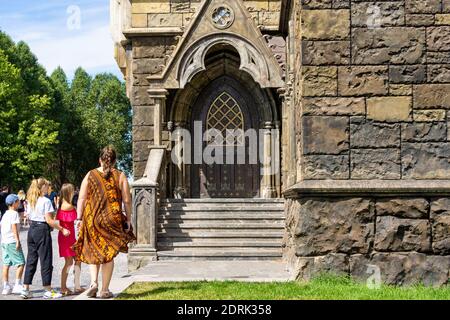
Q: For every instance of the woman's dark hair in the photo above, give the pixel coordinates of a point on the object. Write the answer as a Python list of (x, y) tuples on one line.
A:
[(108, 156)]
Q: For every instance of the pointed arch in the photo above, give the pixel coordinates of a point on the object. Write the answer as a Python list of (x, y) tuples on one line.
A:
[(252, 60)]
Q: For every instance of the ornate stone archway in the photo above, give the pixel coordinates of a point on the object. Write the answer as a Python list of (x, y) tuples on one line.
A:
[(266, 114), (251, 59)]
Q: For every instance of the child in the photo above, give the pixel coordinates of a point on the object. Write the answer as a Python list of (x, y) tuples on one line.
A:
[(66, 216), (41, 217), (22, 207), (11, 248)]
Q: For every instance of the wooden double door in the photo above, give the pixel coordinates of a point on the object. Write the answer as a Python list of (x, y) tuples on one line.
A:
[(226, 112)]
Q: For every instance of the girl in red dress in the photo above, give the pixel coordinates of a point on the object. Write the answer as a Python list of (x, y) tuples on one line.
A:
[(66, 216)]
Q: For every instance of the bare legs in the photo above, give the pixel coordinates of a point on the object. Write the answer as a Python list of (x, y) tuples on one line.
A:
[(107, 270), (5, 274), (65, 273), (19, 273), (77, 275), (94, 269)]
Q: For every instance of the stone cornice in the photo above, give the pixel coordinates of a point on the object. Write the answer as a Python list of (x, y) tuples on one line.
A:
[(143, 32), (168, 31), (368, 187)]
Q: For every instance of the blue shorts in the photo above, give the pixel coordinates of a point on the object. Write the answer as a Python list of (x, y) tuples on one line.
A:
[(11, 256)]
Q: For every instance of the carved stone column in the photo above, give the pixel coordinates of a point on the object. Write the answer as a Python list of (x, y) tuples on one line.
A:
[(276, 165), (145, 210), (268, 190), (159, 108), (180, 167), (145, 222)]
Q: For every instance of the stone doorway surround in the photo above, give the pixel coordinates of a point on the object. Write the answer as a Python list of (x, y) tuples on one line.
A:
[(159, 64)]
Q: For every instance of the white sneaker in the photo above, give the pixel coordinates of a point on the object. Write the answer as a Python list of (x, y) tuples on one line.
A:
[(52, 295), (26, 294), (17, 289), (7, 289)]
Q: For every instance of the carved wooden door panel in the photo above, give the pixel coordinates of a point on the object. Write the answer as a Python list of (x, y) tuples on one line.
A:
[(225, 117)]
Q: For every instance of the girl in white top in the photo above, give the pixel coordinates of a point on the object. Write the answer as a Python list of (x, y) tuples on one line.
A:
[(41, 217)]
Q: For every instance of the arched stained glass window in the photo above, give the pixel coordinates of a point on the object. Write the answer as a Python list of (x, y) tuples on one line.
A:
[(225, 116)]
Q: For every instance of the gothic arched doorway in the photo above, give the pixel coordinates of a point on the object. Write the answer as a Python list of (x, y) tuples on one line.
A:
[(219, 98), (226, 113)]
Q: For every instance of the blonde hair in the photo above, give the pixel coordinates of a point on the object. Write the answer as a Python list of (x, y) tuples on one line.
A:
[(66, 193), (35, 191), (21, 194)]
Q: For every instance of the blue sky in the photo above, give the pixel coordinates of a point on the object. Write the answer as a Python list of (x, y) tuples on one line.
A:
[(66, 33)]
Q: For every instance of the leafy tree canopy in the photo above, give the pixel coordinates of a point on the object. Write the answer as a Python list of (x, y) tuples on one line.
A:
[(54, 128)]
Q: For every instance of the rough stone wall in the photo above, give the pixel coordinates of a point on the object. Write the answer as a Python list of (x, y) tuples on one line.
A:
[(407, 238), (149, 56), (179, 13), (376, 89), (372, 94)]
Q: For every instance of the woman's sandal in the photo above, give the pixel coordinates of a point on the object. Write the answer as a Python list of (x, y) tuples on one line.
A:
[(66, 292), (92, 291), (106, 295), (80, 290)]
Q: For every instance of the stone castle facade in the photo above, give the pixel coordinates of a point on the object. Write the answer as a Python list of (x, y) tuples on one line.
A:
[(358, 94)]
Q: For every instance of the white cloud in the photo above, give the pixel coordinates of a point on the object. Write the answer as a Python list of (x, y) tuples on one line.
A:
[(33, 36), (44, 28), (91, 49)]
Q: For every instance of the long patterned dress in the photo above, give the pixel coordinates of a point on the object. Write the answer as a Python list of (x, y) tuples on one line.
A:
[(102, 235)]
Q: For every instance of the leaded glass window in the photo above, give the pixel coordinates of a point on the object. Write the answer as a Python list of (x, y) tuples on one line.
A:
[(225, 116)]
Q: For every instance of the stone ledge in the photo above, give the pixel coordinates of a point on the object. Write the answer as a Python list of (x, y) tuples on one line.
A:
[(369, 187), (160, 31), (142, 32)]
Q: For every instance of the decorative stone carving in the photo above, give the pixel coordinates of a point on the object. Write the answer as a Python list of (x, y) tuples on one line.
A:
[(278, 46), (222, 17), (252, 60)]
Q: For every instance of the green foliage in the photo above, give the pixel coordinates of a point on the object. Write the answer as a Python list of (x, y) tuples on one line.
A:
[(54, 128), (28, 136)]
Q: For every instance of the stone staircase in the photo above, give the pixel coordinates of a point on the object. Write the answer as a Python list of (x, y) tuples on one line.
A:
[(220, 229)]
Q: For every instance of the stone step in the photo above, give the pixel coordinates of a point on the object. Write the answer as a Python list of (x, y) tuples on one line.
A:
[(224, 200), (220, 215), (222, 224), (224, 253), (219, 258), (221, 233), (221, 208), (221, 229), (169, 243)]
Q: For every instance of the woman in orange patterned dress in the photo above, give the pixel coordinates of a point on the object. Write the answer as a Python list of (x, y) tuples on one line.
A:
[(104, 230)]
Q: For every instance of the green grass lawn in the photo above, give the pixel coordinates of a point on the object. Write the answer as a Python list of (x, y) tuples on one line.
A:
[(321, 288)]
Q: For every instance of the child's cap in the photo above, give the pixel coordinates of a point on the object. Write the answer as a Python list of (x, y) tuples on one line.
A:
[(11, 199)]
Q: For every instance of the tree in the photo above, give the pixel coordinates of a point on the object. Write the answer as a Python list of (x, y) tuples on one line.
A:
[(112, 110), (28, 134), (54, 128)]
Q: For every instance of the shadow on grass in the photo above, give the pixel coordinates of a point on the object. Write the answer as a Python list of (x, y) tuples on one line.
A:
[(159, 290), (326, 286)]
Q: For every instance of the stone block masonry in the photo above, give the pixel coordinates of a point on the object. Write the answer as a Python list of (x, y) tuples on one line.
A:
[(368, 65), (374, 108), (407, 238), (179, 13)]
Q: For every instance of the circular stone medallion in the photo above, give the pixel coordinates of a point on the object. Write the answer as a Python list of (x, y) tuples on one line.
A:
[(222, 17)]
